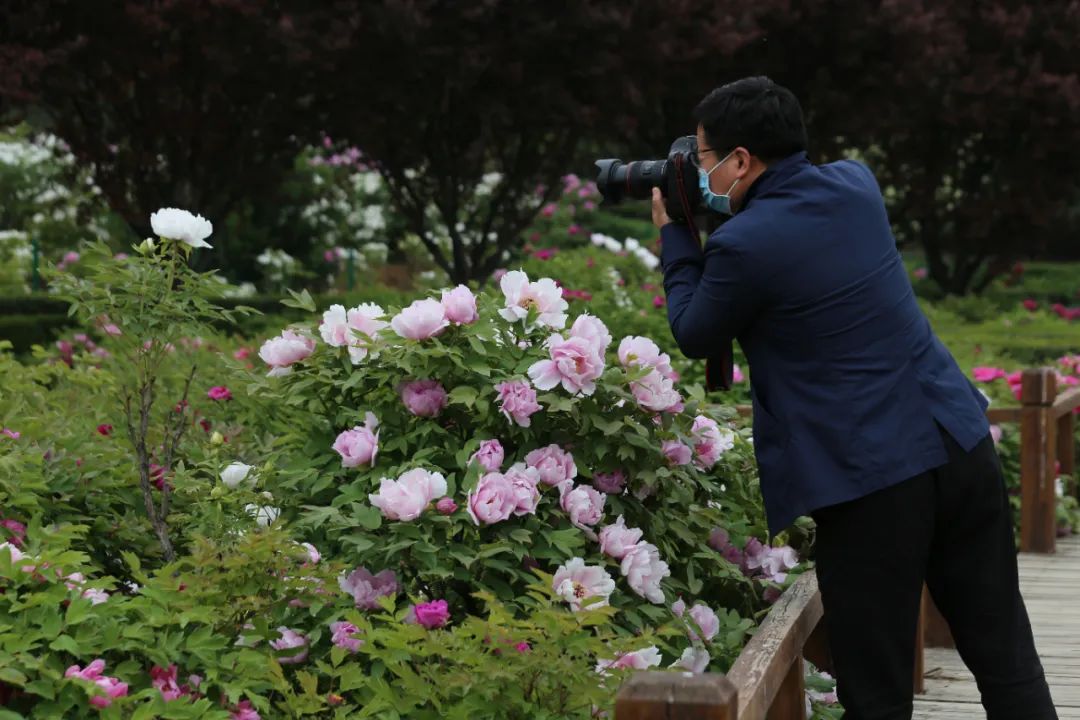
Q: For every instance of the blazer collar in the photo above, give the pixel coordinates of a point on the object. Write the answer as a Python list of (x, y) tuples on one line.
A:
[(775, 174)]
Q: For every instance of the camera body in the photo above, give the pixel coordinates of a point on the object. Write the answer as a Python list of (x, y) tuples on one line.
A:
[(677, 178)]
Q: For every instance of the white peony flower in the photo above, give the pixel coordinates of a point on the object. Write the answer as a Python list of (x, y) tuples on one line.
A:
[(176, 224), (235, 474), (264, 514)]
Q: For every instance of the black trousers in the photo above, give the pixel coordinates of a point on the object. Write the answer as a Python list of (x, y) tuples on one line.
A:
[(951, 527)]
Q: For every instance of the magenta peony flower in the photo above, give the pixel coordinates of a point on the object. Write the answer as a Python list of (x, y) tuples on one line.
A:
[(573, 363), (244, 711), (644, 570), (431, 615), (422, 320), (584, 504), (424, 398), (1030, 305), (446, 506), (987, 374), (524, 481), (493, 500), (407, 497), (490, 455), (13, 434), (289, 640), (617, 540), (575, 582), (164, 680), (219, 392), (366, 589), (93, 673), (360, 445), (737, 374), (554, 464), (517, 401), (105, 429), (612, 483), (459, 305), (282, 352), (676, 452), (343, 635)]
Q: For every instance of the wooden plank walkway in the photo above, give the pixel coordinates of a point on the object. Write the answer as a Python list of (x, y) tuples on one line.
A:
[(1050, 585)]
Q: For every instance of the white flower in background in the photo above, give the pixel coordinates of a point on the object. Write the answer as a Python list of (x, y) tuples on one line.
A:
[(235, 474), (264, 515), (175, 224)]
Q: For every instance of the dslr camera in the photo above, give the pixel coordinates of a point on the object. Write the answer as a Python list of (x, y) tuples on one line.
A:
[(677, 178)]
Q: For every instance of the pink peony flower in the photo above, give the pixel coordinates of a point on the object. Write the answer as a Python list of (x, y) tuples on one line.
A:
[(617, 540), (549, 209), (96, 596), (995, 433), (987, 374), (242, 354), (424, 398), (524, 481), (1030, 305), (636, 351), (544, 295), (422, 320), (490, 455), (493, 500), (737, 374), (430, 615), (584, 504), (219, 392), (576, 582), (517, 401), (17, 530), (407, 497), (244, 711), (657, 393), (460, 305), (920, 273), (612, 483), (644, 570), (702, 615), (573, 363), (676, 452), (637, 660), (8, 432), (366, 589), (772, 562), (446, 506), (312, 553), (282, 352), (554, 464), (710, 441), (105, 429), (593, 330), (93, 673), (164, 680), (289, 640), (343, 635), (693, 659), (360, 445)]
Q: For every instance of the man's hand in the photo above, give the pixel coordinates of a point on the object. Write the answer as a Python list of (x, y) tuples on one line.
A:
[(659, 212)]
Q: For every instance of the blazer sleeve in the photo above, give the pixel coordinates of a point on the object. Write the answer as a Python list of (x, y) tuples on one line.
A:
[(710, 298)]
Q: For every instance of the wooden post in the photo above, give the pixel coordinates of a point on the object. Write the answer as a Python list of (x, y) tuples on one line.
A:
[(668, 695), (1038, 449), (936, 632), (790, 700), (1066, 450)]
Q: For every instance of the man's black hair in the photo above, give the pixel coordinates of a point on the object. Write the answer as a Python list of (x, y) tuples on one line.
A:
[(754, 113)]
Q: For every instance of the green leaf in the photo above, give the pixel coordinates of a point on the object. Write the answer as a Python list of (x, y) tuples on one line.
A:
[(77, 611), (65, 643), (463, 395), (13, 676), (44, 688), (301, 300), (368, 517)]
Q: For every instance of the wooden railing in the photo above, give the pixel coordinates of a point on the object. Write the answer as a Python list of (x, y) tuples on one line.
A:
[(1046, 421)]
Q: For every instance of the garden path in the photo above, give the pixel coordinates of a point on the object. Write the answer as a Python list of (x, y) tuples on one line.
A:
[(1051, 586)]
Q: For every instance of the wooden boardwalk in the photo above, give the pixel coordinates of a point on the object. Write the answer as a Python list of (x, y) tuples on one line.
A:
[(1051, 586)]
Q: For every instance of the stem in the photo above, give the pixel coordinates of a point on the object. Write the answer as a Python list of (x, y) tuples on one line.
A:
[(172, 439)]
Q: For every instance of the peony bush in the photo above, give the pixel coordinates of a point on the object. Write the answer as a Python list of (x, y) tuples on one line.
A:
[(364, 513)]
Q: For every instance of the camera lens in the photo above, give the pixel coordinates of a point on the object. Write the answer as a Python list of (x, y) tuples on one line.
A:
[(636, 179)]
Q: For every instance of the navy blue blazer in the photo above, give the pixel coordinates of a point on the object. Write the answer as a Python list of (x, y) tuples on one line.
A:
[(846, 375)]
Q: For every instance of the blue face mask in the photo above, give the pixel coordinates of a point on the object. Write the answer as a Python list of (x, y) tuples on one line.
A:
[(717, 203)]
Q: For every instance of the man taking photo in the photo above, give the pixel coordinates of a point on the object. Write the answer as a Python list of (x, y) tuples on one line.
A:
[(862, 418)]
